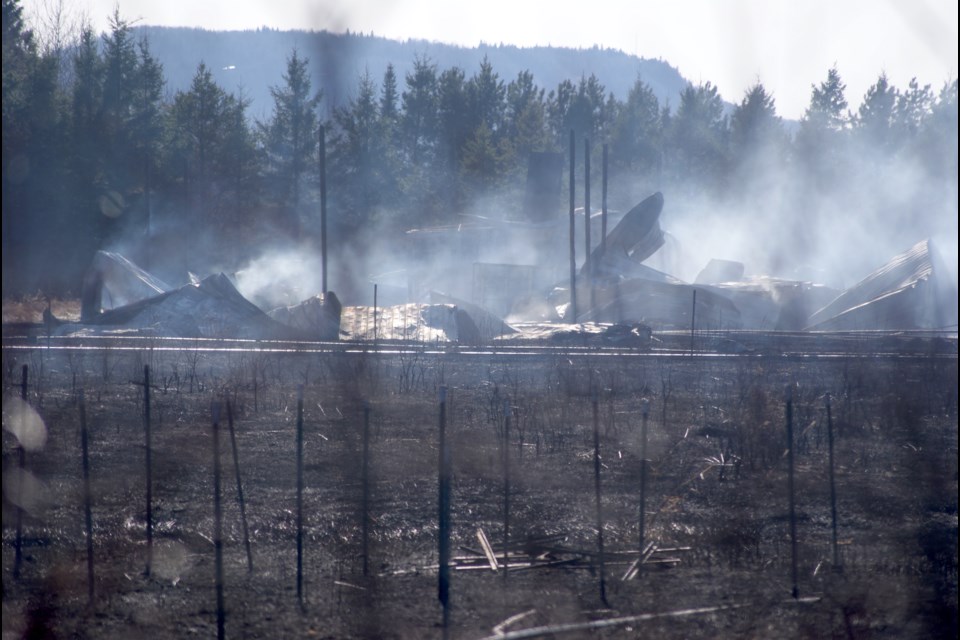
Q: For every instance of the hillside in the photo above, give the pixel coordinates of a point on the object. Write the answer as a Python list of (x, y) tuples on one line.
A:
[(250, 62)]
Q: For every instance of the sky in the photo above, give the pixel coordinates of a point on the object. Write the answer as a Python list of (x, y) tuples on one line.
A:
[(788, 45)]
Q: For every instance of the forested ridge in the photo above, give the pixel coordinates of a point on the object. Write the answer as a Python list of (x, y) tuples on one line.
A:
[(99, 152)]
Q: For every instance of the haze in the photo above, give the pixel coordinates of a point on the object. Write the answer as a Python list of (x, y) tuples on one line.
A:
[(786, 45)]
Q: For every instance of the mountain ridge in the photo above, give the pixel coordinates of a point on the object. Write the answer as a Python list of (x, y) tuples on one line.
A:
[(251, 62)]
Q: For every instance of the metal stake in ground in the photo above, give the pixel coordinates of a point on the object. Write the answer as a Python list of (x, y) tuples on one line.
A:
[(88, 518), (148, 464), (596, 482), (21, 464), (644, 414), (217, 523), (236, 468), (693, 320), (443, 584), (365, 479), (300, 494), (833, 490), (506, 487), (790, 490)]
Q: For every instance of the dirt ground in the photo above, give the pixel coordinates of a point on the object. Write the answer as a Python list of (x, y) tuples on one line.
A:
[(716, 494)]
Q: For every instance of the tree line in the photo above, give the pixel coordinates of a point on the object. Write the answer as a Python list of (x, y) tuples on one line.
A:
[(97, 154)]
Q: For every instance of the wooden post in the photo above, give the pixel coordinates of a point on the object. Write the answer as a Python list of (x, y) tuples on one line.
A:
[(596, 483), (603, 205), (790, 490), (21, 465), (88, 518), (506, 487), (644, 414), (323, 208), (217, 521), (587, 222), (443, 585), (300, 494), (833, 491), (243, 507), (148, 463), (365, 480), (571, 315), (693, 320)]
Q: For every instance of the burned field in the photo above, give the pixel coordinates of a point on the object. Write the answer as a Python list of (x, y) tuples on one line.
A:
[(717, 556)]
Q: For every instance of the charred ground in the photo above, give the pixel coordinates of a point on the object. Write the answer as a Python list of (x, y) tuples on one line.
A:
[(894, 417)]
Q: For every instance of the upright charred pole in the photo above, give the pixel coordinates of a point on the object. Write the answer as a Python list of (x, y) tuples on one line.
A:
[(300, 495), (833, 490), (572, 312), (791, 495), (240, 500), (87, 517), (588, 244), (506, 487), (603, 205), (148, 463), (644, 414), (443, 519), (21, 464), (217, 521), (596, 484), (323, 207), (365, 495)]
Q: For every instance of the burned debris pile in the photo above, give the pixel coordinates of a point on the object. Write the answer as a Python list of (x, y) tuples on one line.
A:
[(614, 299)]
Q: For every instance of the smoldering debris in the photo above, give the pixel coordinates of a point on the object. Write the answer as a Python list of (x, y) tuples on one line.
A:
[(211, 309), (908, 292), (318, 317), (114, 281), (484, 297)]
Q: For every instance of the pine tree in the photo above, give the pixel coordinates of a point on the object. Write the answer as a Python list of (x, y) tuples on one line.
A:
[(291, 136)]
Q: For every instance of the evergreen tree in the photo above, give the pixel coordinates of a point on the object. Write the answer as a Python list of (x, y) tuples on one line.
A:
[(875, 121), (208, 130), (526, 119), (636, 137), (419, 120), (290, 138), (699, 137), (821, 141)]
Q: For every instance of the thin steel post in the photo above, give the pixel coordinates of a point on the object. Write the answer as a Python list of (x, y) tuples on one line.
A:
[(443, 585), (148, 463), (596, 483), (300, 494), (217, 521), (243, 507), (506, 487), (365, 479), (21, 466), (833, 490), (790, 490), (644, 415), (87, 515)]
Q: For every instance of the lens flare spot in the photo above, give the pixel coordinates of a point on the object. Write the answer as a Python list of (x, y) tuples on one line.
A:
[(23, 421), (112, 204), (23, 489)]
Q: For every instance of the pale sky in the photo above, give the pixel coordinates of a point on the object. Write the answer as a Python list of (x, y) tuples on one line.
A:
[(788, 45)]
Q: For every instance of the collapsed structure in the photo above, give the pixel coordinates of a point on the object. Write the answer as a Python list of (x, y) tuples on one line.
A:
[(615, 297)]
